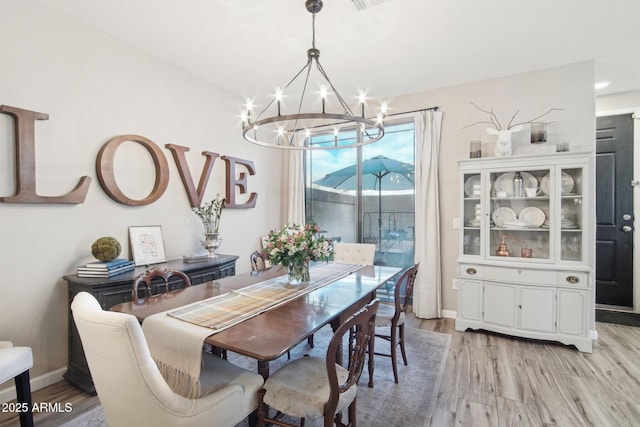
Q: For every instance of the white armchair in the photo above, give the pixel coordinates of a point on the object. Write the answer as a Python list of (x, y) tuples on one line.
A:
[(354, 253), (15, 363), (132, 390)]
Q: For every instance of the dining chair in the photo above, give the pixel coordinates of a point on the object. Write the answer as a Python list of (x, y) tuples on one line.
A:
[(131, 388), (15, 363), (259, 261), (354, 253), (313, 387), (145, 279), (394, 316)]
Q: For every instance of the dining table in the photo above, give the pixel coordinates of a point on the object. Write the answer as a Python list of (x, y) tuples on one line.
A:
[(269, 335)]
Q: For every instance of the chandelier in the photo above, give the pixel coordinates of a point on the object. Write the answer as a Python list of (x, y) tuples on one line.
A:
[(329, 115)]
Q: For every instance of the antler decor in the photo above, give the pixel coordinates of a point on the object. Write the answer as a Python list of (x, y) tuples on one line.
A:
[(493, 118), (503, 144)]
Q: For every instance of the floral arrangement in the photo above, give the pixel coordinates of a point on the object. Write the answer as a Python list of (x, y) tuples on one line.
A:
[(297, 244), (210, 214)]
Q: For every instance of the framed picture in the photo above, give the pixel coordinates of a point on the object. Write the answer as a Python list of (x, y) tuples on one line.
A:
[(147, 245)]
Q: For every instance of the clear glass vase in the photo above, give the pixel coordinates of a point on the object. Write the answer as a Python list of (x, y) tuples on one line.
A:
[(298, 272)]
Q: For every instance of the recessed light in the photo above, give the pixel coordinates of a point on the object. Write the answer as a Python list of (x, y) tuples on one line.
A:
[(601, 85)]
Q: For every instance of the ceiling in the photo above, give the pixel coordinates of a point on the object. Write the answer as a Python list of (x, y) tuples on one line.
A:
[(249, 47)]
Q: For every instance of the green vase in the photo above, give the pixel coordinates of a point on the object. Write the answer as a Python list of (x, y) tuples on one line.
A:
[(298, 272)]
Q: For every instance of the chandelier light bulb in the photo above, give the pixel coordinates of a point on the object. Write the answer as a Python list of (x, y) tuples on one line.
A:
[(323, 92), (362, 97)]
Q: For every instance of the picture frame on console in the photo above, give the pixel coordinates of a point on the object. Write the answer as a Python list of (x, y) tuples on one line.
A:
[(147, 244)]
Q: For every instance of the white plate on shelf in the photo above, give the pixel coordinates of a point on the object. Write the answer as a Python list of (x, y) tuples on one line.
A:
[(503, 214), (505, 182), (518, 223), (469, 183), (532, 214), (566, 184)]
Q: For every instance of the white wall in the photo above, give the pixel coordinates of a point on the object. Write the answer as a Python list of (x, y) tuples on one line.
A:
[(569, 87), (94, 88)]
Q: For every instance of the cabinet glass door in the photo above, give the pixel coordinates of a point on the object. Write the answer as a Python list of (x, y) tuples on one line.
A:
[(472, 215), (519, 215), (571, 248)]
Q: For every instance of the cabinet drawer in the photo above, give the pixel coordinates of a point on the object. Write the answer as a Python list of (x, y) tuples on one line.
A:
[(517, 275), (573, 278)]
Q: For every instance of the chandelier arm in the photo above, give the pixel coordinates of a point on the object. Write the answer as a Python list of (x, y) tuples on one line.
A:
[(307, 65), (335, 91)]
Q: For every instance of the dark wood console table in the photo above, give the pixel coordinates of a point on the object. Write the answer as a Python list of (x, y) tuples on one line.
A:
[(116, 290)]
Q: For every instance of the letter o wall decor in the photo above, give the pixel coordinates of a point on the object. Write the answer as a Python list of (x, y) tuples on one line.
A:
[(106, 175)]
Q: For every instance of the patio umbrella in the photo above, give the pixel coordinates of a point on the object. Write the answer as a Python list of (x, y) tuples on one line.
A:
[(377, 172)]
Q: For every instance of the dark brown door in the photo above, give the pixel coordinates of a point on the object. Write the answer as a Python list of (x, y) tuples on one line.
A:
[(614, 210)]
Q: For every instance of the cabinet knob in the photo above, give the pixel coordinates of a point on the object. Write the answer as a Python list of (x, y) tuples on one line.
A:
[(573, 279), (471, 271)]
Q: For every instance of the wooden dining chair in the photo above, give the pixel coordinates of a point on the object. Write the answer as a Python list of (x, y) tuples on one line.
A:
[(312, 387), (145, 279), (259, 261), (394, 316)]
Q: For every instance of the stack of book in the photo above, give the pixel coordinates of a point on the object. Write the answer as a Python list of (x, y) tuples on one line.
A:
[(106, 269)]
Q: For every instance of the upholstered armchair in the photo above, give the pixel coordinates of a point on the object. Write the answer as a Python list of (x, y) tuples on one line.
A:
[(131, 388), (15, 363)]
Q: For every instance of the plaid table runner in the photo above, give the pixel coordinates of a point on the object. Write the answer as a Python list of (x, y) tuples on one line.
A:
[(226, 310)]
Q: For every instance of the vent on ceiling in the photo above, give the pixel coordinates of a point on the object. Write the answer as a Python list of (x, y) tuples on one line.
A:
[(365, 4)]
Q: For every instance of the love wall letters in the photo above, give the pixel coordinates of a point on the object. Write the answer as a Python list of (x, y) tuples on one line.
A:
[(25, 167)]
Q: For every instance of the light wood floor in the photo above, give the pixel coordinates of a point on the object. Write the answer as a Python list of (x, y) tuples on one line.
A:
[(493, 380)]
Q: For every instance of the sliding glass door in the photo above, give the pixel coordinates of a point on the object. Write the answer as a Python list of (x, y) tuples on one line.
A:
[(366, 194)]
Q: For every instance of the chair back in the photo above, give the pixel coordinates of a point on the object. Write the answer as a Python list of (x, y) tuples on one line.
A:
[(259, 261), (145, 279), (131, 389), (354, 253), (404, 290), (360, 342)]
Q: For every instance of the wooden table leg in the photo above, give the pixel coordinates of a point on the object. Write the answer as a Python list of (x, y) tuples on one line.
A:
[(263, 369)]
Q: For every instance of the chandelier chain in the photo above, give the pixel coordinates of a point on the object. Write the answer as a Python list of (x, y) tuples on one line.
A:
[(313, 31)]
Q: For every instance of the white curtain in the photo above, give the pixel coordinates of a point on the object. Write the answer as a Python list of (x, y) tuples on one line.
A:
[(294, 187), (427, 291)]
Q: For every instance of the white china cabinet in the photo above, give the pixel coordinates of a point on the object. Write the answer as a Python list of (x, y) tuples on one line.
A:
[(526, 264)]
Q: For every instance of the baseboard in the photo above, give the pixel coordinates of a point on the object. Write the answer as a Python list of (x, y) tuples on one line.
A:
[(449, 314), (37, 383)]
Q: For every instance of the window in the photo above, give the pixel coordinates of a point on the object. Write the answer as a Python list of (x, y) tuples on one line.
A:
[(366, 194)]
